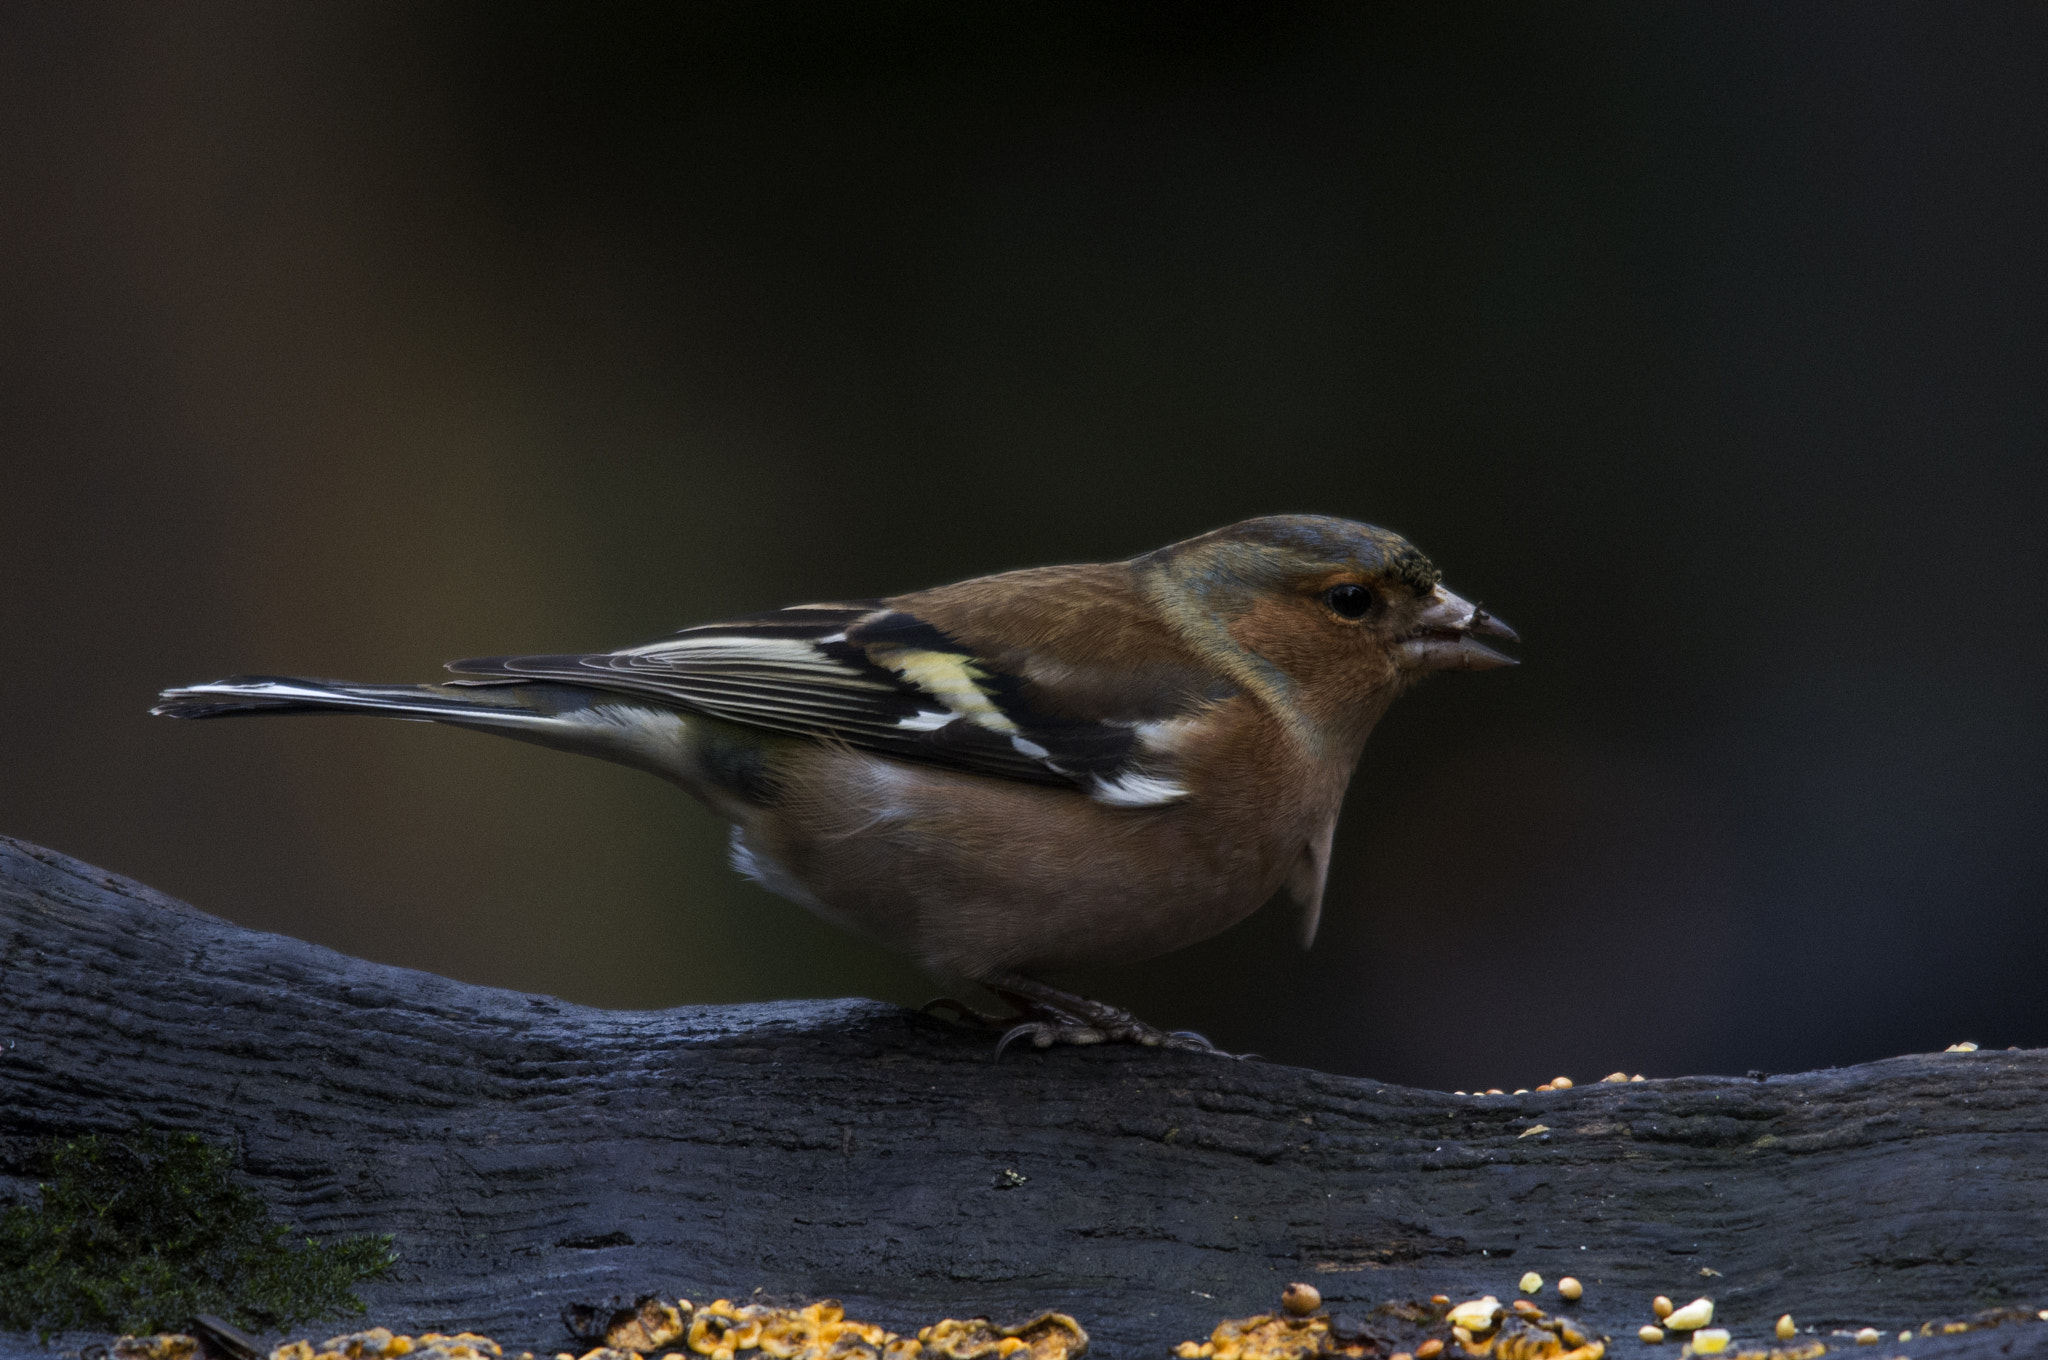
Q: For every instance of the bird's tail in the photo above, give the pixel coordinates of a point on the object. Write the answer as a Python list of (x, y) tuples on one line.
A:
[(241, 694), (616, 727)]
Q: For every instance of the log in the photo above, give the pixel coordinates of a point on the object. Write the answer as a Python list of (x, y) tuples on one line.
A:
[(529, 1154)]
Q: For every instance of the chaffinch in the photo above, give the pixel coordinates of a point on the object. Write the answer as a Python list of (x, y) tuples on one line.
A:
[(1020, 773)]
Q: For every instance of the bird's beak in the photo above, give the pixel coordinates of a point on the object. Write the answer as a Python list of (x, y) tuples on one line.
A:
[(1446, 637)]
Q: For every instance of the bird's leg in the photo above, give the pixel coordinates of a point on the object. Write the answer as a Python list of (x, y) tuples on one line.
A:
[(1053, 1017), (960, 1013)]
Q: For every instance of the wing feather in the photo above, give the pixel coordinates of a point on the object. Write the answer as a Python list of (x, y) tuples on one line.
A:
[(878, 679)]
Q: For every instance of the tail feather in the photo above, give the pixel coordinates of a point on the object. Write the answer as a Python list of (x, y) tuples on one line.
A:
[(288, 694), (629, 730)]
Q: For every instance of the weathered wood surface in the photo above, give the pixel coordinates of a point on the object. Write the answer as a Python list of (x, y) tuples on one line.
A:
[(528, 1153)]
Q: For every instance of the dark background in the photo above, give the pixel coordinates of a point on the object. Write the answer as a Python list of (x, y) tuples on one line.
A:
[(1704, 342)]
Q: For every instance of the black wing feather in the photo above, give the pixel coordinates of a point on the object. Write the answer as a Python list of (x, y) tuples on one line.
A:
[(812, 671)]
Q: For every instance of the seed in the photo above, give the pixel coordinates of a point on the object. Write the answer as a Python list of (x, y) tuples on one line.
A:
[(1786, 1329), (1523, 1091), (1301, 1299), (1400, 1355), (1546, 1086), (1429, 1350), (1495, 1091), (1532, 1281), (1649, 1336), (1476, 1315), (1637, 1077), (1440, 1299), (1698, 1313), (1965, 1047), (1570, 1288), (1561, 1083), (1867, 1337), (1712, 1341), (1464, 1336), (1526, 1309), (1533, 1129), (1614, 1076), (1905, 1336), (1661, 1306)]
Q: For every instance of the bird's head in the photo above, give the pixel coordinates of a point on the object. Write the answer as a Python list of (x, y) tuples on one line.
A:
[(1329, 616)]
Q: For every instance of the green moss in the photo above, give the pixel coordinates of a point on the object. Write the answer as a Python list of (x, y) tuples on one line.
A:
[(137, 1233)]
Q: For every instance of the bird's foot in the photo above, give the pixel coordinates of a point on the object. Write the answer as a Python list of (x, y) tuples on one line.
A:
[(1052, 1016)]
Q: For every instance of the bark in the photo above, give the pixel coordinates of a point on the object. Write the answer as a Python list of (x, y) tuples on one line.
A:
[(530, 1154)]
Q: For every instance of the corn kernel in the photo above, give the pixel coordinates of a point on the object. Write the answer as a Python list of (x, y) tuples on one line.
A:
[(1698, 1313), (1710, 1341), (1532, 1281), (1476, 1315)]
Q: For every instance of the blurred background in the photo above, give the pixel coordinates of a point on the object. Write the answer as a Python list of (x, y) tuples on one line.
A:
[(1706, 344)]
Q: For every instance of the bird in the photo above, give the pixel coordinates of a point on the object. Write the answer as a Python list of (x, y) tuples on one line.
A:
[(1011, 775)]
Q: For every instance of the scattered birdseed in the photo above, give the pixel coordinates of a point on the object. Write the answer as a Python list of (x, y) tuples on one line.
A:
[(1429, 1350), (1570, 1289), (1531, 1130), (1786, 1328), (1710, 1341), (819, 1331), (1965, 1047), (1650, 1336), (1614, 1076), (1301, 1299), (163, 1346), (1869, 1336), (1561, 1083), (1698, 1313), (1637, 1077), (1049, 1336), (1661, 1306), (1267, 1337), (1532, 1281), (380, 1343)]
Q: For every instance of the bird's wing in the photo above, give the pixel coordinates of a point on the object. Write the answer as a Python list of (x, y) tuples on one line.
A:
[(887, 681)]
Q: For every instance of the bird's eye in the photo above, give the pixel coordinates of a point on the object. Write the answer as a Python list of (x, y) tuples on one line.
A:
[(1349, 602)]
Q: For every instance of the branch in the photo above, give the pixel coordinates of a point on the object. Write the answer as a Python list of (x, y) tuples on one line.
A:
[(529, 1154)]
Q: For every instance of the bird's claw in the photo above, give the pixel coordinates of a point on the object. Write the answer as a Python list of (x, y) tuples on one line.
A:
[(1044, 1033)]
